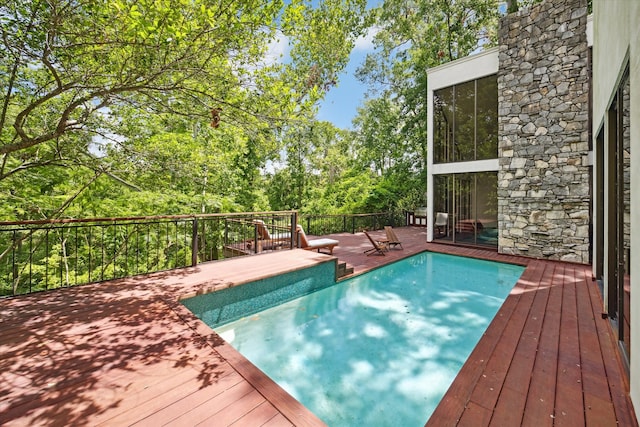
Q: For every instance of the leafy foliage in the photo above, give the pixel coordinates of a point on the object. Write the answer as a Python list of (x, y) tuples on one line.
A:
[(107, 103), (121, 108)]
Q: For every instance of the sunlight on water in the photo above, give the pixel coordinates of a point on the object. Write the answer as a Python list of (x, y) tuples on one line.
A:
[(380, 349)]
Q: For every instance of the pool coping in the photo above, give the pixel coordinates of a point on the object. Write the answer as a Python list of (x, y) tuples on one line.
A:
[(288, 405)]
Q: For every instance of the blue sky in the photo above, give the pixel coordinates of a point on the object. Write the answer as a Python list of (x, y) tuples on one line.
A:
[(340, 104)]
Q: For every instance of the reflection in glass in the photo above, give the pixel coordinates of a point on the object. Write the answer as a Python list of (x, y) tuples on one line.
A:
[(442, 203), (626, 196), (471, 202), (443, 125), (487, 118), (464, 129), (465, 121)]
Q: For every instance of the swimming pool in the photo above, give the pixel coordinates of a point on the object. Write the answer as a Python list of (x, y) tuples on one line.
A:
[(380, 349)]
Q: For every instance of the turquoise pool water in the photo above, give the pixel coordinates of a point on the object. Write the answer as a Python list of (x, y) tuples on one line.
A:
[(380, 349)]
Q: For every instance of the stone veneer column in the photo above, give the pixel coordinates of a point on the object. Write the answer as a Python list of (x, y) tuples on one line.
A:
[(543, 104)]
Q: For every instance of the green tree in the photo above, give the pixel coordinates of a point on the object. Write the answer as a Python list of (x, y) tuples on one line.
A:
[(77, 76), (411, 37)]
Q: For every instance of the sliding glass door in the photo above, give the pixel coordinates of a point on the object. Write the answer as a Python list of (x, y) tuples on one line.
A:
[(618, 213), (470, 204)]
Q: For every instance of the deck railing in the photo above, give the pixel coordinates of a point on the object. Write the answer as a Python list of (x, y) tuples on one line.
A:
[(50, 254), (41, 255), (331, 224)]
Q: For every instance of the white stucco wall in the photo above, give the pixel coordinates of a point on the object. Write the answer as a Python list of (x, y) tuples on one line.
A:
[(616, 38), (610, 42)]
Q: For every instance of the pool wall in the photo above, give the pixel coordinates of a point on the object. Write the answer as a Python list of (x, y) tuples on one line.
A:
[(227, 305)]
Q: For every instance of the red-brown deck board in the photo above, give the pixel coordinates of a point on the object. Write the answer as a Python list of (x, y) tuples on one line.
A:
[(127, 352)]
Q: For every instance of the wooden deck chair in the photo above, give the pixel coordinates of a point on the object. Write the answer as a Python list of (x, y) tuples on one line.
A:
[(315, 244), (392, 239), (378, 247), (263, 232)]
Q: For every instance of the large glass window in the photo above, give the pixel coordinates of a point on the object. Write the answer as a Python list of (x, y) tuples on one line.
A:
[(443, 125), (466, 121), (470, 205), (487, 118), (464, 128)]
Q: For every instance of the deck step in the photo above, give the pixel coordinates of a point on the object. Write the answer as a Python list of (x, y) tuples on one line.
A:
[(344, 270)]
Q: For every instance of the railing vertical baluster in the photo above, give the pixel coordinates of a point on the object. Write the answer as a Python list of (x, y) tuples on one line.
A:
[(46, 258), (146, 268), (114, 240), (137, 232), (62, 256), (89, 251), (102, 253), (226, 232), (166, 245), (126, 250), (75, 275), (14, 279), (30, 261), (203, 241)]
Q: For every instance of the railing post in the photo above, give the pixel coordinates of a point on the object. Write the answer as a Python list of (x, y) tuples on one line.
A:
[(255, 238), (294, 223), (194, 242), (14, 270), (226, 234)]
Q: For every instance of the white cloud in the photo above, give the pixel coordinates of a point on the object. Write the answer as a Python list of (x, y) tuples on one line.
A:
[(365, 42), (278, 50)]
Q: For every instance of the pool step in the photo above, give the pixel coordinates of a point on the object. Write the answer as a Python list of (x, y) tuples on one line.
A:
[(343, 270)]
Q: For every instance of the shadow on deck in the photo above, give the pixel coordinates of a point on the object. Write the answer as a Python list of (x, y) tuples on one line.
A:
[(126, 352)]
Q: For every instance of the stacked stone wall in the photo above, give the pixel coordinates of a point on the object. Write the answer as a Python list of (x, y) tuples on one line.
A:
[(543, 121)]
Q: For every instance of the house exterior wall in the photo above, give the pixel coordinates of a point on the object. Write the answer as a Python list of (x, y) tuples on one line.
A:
[(462, 70), (616, 44), (543, 114)]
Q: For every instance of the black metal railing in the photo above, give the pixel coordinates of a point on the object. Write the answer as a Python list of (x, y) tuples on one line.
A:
[(330, 224), (50, 254), (41, 255)]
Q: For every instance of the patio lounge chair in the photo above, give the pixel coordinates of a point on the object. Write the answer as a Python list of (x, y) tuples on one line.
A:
[(315, 244), (378, 247), (263, 233), (442, 222), (392, 239)]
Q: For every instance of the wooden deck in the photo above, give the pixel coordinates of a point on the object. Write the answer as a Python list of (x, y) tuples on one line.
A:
[(128, 353)]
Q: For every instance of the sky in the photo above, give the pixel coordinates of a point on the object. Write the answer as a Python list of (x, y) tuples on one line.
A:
[(341, 102)]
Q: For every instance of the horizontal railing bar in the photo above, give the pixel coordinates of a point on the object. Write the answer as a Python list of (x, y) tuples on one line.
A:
[(139, 218)]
